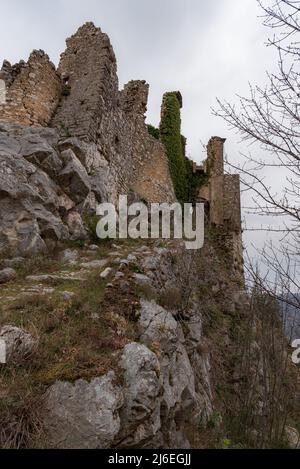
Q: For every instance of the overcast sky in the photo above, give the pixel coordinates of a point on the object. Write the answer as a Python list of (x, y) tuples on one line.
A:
[(203, 48)]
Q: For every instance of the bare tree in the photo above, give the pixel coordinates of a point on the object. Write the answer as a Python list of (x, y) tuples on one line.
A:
[(270, 117)]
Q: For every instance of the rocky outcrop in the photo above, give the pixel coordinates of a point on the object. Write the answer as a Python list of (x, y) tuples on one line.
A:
[(165, 377), (83, 415), (140, 415), (18, 343), (31, 202), (6, 275)]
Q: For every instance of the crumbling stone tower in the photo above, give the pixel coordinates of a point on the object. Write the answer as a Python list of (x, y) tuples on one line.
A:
[(30, 91), (90, 84), (222, 196)]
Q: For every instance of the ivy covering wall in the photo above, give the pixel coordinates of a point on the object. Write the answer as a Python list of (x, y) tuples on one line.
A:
[(186, 182), (170, 135), (153, 131)]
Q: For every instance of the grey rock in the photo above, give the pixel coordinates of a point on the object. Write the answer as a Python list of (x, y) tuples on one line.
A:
[(106, 273), (142, 249), (151, 263), (94, 247), (19, 343), (55, 277), (158, 325), (83, 415), (161, 251), (39, 290), (37, 150), (67, 296), (74, 177), (179, 398), (94, 264), (6, 275), (76, 226), (116, 261), (95, 316), (70, 255), (142, 280), (140, 416), (119, 275), (131, 258), (15, 262), (76, 146), (30, 201)]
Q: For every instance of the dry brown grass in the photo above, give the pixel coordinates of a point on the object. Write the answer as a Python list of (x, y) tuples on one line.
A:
[(78, 339)]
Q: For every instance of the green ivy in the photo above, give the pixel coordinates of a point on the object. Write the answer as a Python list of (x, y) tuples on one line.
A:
[(186, 182), (153, 131), (194, 181), (170, 135)]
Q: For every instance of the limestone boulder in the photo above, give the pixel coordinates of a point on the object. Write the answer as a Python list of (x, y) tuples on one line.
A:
[(6, 275), (18, 343), (74, 177), (35, 149), (70, 256), (140, 415), (32, 204), (179, 397), (76, 226), (83, 415)]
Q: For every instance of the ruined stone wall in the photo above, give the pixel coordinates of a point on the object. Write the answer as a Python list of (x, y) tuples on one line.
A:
[(154, 177), (232, 202), (88, 70), (215, 162), (83, 100), (216, 196), (32, 91), (94, 110), (222, 193), (2, 92), (223, 190), (215, 156)]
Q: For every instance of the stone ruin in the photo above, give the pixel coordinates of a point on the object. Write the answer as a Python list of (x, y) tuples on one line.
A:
[(222, 196), (32, 92), (91, 140)]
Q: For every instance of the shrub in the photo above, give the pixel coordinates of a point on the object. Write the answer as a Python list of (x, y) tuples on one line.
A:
[(153, 131)]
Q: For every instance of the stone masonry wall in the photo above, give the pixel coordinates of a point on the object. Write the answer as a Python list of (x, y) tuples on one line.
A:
[(2, 92), (94, 110), (89, 72), (154, 177), (32, 91), (82, 100), (223, 190), (232, 202), (223, 195), (215, 153)]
